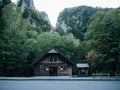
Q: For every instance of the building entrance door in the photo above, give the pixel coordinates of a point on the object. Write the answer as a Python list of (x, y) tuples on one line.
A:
[(52, 71)]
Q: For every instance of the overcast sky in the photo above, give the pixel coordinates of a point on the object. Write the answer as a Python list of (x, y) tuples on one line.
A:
[(53, 7)]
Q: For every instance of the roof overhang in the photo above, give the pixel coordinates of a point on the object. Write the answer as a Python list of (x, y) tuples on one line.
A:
[(82, 65), (53, 51)]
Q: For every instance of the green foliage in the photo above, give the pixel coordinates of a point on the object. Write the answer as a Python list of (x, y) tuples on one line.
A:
[(27, 35), (67, 44), (75, 20), (52, 39), (2, 4), (13, 35), (103, 37)]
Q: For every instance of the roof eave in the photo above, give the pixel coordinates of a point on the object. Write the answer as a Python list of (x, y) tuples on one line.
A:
[(38, 59)]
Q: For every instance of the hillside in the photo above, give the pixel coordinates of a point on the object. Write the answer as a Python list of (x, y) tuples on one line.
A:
[(75, 20)]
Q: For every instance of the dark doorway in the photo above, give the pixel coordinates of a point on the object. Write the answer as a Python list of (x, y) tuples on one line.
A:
[(52, 71)]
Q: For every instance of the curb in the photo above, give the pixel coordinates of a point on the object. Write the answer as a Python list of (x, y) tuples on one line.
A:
[(73, 79)]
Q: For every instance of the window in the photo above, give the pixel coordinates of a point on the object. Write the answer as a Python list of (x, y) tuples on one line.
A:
[(46, 68), (53, 59), (64, 67), (83, 70), (43, 67)]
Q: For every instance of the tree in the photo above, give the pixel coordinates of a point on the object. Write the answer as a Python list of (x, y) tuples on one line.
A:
[(12, 39), (103, 37)]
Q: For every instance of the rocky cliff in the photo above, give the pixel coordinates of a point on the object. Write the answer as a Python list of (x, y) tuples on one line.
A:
[(45, 17), (39, 20), (75, 20), (26, 4)]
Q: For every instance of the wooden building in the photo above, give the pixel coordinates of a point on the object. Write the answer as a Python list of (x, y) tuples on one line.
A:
[(83, 69), (52, 63)]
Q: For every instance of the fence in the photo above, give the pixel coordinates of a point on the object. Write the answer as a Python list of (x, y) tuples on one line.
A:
[(105, 74)]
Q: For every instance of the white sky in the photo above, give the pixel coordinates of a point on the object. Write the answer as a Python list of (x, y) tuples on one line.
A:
[(53, 7)]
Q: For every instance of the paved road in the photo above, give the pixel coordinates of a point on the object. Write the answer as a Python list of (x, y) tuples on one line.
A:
[(59, 85)]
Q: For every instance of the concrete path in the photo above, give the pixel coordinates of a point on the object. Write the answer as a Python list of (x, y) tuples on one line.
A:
[(62, 78)]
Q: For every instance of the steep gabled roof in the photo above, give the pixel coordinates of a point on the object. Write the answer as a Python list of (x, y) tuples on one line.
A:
[(53, 50)]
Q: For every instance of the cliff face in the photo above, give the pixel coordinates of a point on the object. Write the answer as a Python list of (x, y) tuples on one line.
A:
[(26, 4), (45, 17), (27, 7), (75, 20), (39, 20)]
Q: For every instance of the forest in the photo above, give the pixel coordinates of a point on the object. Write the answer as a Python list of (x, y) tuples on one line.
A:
[(83, 33)]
